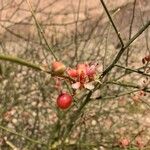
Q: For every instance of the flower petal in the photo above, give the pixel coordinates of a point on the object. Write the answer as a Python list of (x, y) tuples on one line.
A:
[(72, 73), (90, 71), (76, 85), (89, 86)]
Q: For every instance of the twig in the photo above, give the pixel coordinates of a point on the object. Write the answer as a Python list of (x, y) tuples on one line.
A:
[(130, 30), (11, 144), (40, 30), (130, 85), (76, 33), (108, 69), (75, 115), (23, 62), (116, 95), (133, 70), (21, 135), (20, 61), (113, 24)]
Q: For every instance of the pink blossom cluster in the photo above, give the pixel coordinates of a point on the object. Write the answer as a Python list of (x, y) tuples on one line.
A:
[(82, 74)]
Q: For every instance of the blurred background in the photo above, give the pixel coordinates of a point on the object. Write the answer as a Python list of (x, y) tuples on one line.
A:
[(77, 31)]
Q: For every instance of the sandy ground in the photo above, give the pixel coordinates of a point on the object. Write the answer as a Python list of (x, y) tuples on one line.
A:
[(58, 19)]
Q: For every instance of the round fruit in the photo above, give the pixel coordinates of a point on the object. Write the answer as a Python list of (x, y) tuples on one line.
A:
[(64, 100), (58, 68)]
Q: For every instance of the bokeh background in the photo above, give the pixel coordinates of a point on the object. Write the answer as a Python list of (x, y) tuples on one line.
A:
[(77, 31)]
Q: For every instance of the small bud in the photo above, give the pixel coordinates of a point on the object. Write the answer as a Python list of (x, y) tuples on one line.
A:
[(124, 142), (139, 142), (58, 68)]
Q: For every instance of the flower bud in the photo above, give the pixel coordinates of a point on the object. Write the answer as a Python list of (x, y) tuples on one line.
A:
[(58, 68)]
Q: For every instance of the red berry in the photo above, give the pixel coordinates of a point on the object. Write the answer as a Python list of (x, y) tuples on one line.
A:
[(58, 68), (64, 100)]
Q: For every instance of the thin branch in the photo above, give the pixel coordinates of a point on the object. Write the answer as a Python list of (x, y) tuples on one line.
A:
[(130, 30), (137, 34), (26, 63), (21, 135), (20, 61), (116, 95), (11, 144), (113, 24), (108, 69), (145, 89), (76, 115), (40, 30), (76, 33), (133, 70)]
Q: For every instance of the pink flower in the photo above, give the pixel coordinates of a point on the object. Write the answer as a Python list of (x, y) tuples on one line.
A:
[(83, 74), (124, 142), (91, 70), (72, 73)]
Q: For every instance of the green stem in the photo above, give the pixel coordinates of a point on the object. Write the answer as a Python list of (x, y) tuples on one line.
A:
[(118, 56), (21, 135), (117, 95), (133, 70), (76, 115), (19, 61), (23, 62), (130, 85)]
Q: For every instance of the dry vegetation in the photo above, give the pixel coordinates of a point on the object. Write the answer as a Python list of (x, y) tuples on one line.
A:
[(116, 113)]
